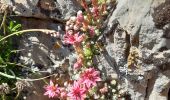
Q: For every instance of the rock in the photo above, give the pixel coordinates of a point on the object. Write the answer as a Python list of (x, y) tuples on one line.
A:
[(141, 25), (138, 21), (57, 10), (161, 87), (38, 51), (133, 24)]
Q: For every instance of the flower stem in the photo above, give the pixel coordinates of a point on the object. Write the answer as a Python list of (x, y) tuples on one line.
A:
[(29, 30), (14, 77), (3, 97), (3, 21)]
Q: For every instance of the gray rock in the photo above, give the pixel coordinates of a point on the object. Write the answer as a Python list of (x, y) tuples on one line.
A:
[(133, 24), (57, 10), (135, 17)]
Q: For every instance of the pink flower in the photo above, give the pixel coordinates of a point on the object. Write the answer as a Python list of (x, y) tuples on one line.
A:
[(69, 39), (77, 92), (52, 90), (72, 39), (103, 90), (92, 31), (89, 77), (80, 17), (95, 11), (78, 64), (63, 93), (70, 32), (84, 4)]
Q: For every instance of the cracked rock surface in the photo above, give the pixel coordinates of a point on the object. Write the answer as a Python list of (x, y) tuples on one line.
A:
[(140, 21), (137, 43)]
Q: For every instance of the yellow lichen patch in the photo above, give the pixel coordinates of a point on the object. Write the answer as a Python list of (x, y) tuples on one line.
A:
[(133, 57), (57, 45)]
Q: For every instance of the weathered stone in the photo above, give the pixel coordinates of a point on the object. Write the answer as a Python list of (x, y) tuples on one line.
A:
[(57, 10), (137, 19), (141, 25)]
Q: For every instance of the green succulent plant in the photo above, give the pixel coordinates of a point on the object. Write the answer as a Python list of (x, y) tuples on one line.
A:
[(88, 52)]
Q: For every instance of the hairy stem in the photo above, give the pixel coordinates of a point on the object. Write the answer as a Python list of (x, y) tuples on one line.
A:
[(29, 30), (14, 77), (3, 20)]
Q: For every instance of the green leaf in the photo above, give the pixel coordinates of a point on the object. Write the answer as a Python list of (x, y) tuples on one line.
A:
[(1, 60), (11, 24), (2, 66), (1, 37), (16, 28)]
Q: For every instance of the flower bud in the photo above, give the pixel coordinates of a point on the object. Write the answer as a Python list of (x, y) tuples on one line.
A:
[(78, 64), (68, 23), (92, 32), (88, 52), (85, 17), (97, 32), (89, 63), (66, 28), (71, 26), (63, 93), (80, 16), (105, 13), (73, 19), (70, 32), (79, 13), (113, 90), (102, 97), (113, 82), (65, 84), (104, 90), (76, 27)]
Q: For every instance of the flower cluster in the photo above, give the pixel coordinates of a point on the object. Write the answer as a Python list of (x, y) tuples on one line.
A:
[(80, 32), (78, 64), (79, 89), (52, 90), (89, 77), (72, 28)]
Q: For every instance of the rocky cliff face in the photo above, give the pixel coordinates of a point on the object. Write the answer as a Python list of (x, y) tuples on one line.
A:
[(136, 38), (143, 45)]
